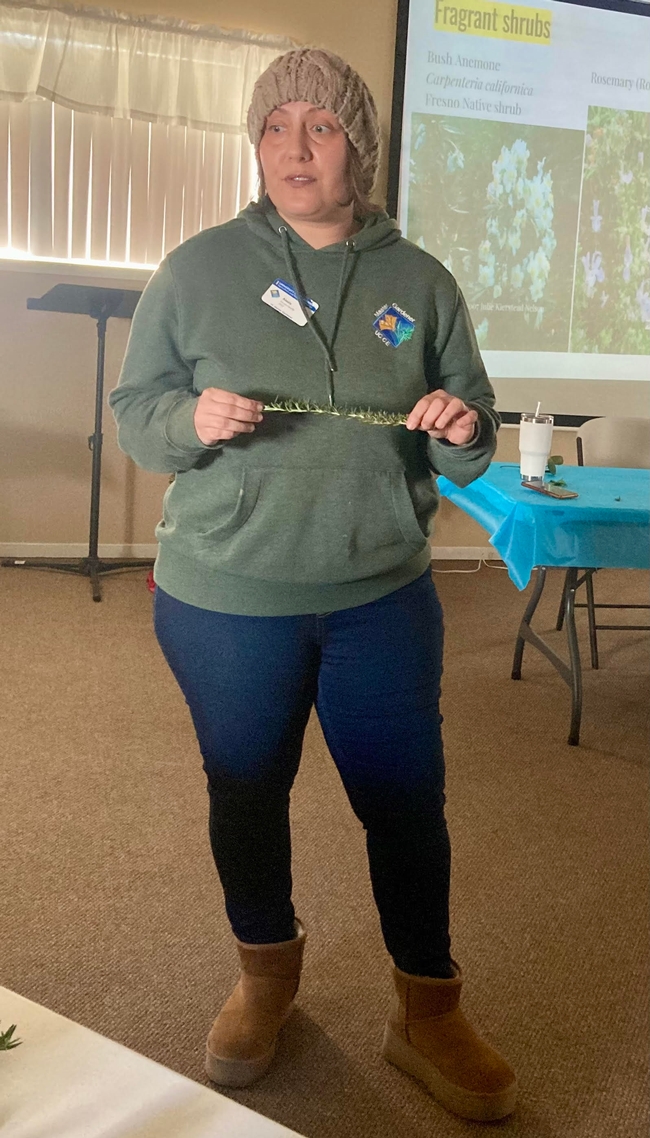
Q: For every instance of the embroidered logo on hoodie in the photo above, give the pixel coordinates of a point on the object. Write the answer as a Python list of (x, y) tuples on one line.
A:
[(393, 325)]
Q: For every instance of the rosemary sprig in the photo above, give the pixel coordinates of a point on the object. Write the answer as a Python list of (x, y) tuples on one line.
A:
[(6, 1040), (365, 414)]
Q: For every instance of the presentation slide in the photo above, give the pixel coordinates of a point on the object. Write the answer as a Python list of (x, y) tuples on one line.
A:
[(525, 169)]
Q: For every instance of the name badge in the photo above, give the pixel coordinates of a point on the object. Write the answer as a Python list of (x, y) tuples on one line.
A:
[(284, 298)]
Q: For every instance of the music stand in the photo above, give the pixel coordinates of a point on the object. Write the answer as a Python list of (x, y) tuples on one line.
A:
[(100, 304)]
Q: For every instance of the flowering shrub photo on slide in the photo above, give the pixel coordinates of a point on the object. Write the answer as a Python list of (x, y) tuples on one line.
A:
[(497, 203), (611, 307), (515, 256)]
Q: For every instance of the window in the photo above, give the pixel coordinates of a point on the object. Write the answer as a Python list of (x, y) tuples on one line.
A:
[(120, 137), (78, 186)]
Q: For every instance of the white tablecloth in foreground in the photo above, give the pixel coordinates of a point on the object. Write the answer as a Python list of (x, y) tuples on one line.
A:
[(66, 1081)]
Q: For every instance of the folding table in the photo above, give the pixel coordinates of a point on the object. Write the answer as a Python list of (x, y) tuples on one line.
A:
[(606, 527), (65, 1081)]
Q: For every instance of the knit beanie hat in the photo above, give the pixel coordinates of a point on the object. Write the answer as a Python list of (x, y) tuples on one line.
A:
[(312, 75)]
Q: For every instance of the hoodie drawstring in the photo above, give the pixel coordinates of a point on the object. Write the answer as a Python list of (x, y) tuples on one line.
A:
[(326, 347)]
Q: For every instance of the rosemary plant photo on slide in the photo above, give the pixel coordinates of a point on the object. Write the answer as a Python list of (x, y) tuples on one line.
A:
[(612, 293)]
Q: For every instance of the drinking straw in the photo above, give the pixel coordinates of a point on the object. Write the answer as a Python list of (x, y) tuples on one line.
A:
[(538, 407)]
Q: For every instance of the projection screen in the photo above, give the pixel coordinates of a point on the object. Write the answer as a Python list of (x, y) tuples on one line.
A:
[(520, 158)]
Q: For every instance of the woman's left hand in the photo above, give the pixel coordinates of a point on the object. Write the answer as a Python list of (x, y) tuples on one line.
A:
[(443, 416)]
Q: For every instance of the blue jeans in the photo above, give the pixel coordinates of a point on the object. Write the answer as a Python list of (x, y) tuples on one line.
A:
[(373, 674)]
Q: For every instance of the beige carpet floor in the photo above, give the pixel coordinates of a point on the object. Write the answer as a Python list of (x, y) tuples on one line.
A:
[(110, 911)]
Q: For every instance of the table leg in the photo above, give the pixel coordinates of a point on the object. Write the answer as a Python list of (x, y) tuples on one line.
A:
[(524, 627), (591, 615), (574, 656), (560, 612), (571, 673)]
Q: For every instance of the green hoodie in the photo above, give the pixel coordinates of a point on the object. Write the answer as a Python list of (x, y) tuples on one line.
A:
[(309, 513)]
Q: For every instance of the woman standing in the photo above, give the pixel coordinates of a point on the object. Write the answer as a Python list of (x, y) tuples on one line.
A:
[(294, 564)]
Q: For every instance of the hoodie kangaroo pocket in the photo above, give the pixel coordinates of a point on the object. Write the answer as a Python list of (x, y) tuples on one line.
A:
[(315, 526), (415, 502), (200, 524)]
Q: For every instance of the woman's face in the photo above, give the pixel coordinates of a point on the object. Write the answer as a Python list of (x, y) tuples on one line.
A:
[(304, 156)]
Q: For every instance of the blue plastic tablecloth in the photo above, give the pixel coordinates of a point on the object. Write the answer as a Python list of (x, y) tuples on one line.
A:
[(606, 527)]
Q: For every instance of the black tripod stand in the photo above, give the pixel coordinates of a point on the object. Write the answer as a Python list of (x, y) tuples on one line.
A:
[(100, 304)]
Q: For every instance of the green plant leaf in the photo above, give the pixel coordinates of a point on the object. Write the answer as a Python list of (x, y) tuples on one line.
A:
[(553, 462), (6, 1039)]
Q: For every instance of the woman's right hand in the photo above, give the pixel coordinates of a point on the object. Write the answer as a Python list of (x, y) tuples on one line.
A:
[(220, 415)]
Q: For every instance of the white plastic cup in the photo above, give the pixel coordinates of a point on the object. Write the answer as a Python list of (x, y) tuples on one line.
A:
[(535, 442)]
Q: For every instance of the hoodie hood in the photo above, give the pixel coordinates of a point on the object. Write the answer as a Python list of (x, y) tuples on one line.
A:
[(378, 230)]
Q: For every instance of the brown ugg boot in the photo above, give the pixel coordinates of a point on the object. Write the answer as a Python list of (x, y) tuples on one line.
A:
[(428, 1036), (242, 1041)]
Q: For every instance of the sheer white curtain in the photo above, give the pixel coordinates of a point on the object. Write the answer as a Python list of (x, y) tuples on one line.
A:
[(120, 136)]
